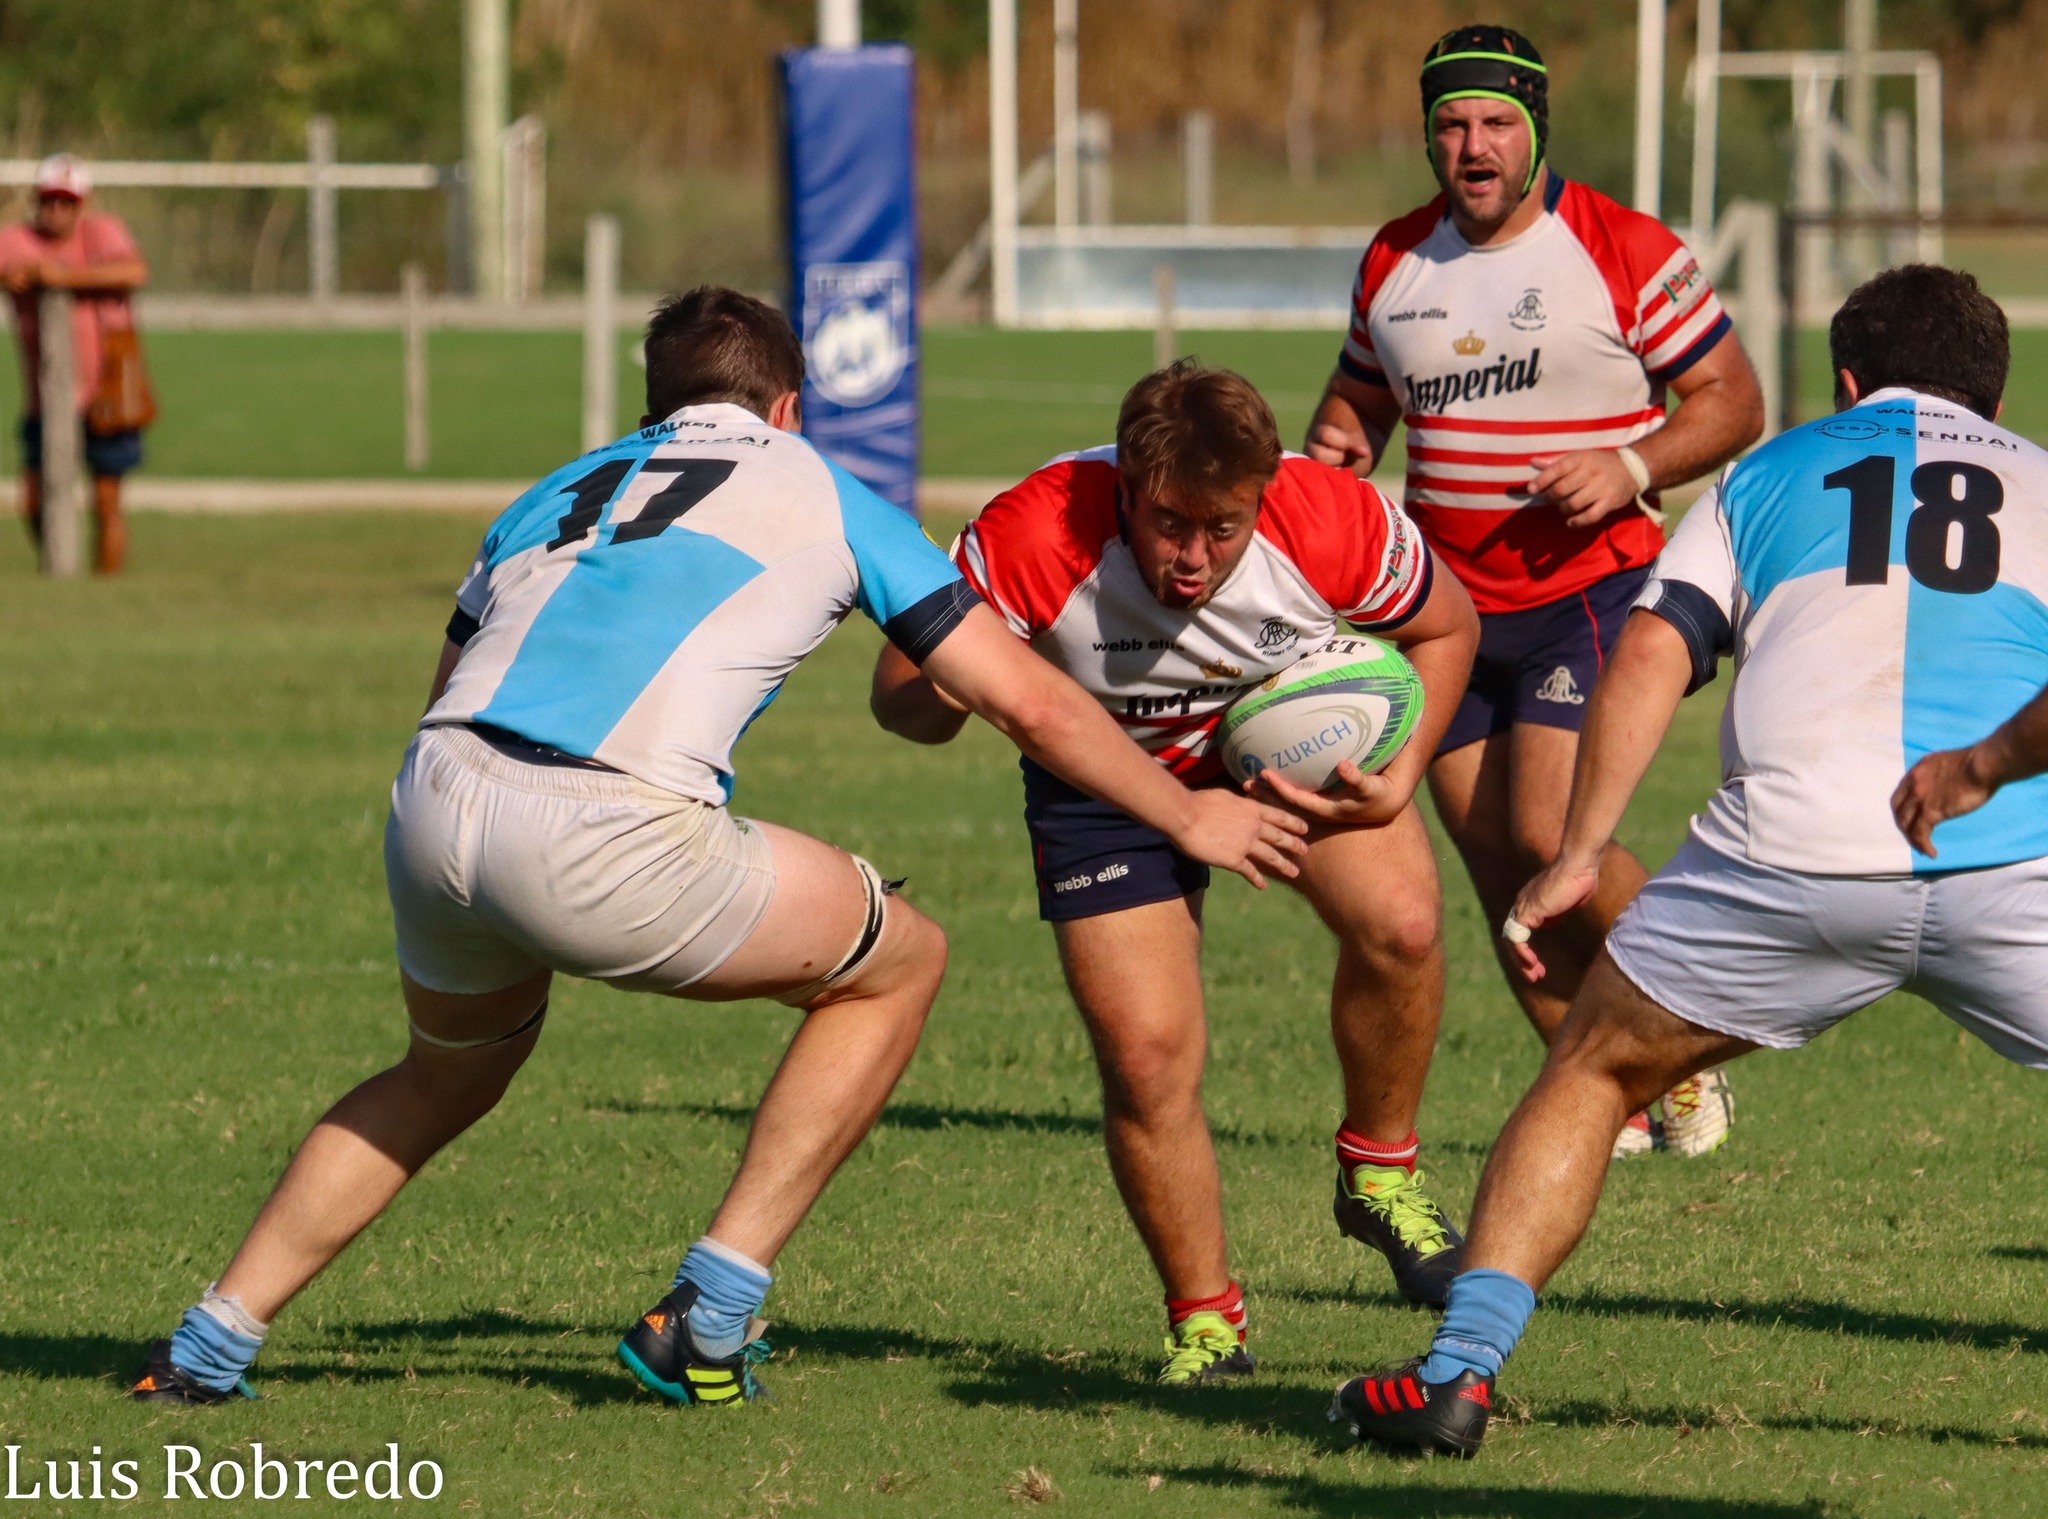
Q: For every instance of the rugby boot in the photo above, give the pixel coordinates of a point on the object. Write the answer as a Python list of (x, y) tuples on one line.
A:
[(1203, 1348), (1698, 1113), (1396, 1408), (1386, 1208), (160, 1381), (661, 1353), (1639, 1136)]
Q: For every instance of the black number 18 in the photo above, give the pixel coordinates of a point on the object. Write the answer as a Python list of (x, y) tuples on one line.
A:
[(1946, 496)]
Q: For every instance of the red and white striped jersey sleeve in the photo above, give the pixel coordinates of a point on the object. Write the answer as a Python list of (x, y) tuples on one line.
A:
[(1354, 546), (1358, 358), (1667, 310), (1678, 318), (1034, 545)]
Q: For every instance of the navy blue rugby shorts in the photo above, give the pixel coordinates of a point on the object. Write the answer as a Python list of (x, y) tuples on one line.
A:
[(105, 454), (1538, 665), (1092, 859)]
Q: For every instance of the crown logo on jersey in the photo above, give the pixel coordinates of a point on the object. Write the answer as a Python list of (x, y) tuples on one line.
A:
[(1469, 344)]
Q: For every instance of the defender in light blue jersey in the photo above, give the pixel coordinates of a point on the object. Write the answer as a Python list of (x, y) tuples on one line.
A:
[(562, 809), (1881, 579)]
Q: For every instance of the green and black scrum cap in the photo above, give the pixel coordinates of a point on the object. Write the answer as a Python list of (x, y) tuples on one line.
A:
[(1490, 63)]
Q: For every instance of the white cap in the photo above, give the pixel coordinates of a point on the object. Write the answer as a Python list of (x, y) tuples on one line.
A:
[(64, 174)]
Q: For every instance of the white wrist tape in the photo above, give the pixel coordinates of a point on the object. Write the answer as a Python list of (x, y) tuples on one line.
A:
[(1633, 463)]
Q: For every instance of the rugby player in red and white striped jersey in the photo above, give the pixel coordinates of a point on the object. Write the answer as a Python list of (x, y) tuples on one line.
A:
[(1529, 330), (1169, 575)]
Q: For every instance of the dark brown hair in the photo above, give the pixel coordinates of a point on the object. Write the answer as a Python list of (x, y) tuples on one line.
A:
[(1926, 327), (714, 344), (1188, 433)]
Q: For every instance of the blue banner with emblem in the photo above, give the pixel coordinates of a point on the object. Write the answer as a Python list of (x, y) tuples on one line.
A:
[(850, 191)]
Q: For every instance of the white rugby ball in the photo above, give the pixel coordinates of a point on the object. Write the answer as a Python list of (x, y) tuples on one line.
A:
[(1355, 698)]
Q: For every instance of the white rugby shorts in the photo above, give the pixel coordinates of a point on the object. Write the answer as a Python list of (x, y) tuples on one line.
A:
[(1777, 957), (499, 864)]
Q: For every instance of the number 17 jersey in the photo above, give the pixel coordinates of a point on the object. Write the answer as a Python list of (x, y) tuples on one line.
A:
[(1881, 577), (641, 606)]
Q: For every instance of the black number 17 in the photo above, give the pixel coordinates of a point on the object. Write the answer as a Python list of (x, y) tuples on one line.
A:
[(694, 480), (1946, 495)]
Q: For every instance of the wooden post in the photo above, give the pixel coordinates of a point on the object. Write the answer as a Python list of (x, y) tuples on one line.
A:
[(323, 258), (1198, 168), (600, 331), (413, 286), (63, 537), (1164, 339)]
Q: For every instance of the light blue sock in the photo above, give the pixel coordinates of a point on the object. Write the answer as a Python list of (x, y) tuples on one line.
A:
[(217, 1341), (730, 1290), (1486, 1314)]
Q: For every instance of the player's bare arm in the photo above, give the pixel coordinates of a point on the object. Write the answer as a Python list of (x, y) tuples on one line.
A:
[(1951, 782), (1352, 424), (1721, 412), (907, 704), (1048, 716), (1630, 710), (451, 651), (1439, 641)]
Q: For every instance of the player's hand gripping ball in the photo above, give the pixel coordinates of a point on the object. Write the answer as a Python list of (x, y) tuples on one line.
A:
[(1355, 698)]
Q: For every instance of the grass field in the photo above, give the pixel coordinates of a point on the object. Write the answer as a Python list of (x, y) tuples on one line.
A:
[(1840, 1314), (505, 405)]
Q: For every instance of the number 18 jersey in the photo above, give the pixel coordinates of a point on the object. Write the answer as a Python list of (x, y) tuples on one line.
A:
[(1881, 577)]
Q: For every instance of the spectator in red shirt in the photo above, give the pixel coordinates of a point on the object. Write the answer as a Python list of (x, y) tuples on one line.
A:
[(66, 247)]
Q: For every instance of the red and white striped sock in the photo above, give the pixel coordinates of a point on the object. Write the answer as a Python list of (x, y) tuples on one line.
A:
[(1229, 1302), (1355, 1150)]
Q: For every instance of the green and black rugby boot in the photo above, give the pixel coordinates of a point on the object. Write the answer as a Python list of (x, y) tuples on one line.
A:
[(1396, 1408), (160, 1381), (1204, 1348), (659, 1351), (1386, 1208)]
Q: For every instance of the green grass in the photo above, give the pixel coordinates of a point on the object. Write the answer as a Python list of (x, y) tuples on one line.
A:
[(1840, 1314), (505, 406)]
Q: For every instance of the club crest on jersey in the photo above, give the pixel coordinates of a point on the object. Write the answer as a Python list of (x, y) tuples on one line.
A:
[(1276, 637), (856, 330), (1502, 377), (1527, 314)]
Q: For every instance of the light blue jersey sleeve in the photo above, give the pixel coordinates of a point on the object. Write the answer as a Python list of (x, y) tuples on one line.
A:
[(908, 587)]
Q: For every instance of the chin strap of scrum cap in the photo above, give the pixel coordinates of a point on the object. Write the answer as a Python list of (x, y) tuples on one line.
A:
[(1489, 63)]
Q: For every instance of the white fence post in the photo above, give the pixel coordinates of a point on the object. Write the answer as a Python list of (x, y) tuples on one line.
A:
[(1002, 160), (63, 545), (600, 331), (1165, 339), (413, 287), (1198, 168), (323, 256), (526, 199), (1095, 183)]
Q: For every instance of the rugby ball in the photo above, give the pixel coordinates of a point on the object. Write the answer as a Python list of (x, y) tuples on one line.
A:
[(1355, 698)]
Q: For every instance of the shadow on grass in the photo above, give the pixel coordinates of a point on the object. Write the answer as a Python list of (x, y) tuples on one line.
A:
[(581, 1370), (1321, 1495), (1822, 1318), (2019, 1252), (1681, 1420), (920, 1117)]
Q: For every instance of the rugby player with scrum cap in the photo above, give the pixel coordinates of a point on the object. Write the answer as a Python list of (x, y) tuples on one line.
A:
[(1168, 574), (562, 809), (1530, 331)]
